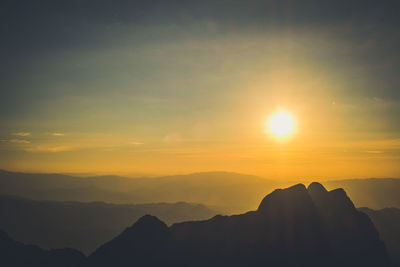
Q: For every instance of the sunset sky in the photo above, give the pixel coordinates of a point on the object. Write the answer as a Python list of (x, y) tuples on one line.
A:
[(167, 87)]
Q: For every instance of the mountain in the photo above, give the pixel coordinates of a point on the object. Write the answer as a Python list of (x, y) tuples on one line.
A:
[(213, 189), (375, 193), (17, 254), (291, 227), (387, 222), (83, 226)]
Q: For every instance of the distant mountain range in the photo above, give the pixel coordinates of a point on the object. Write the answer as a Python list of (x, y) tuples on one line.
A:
[(375, 193), (83, 226), (226, 192), (229, 192), (291, 227)]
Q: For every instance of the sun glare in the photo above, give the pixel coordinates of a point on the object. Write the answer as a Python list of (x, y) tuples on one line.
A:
[(281, 124)]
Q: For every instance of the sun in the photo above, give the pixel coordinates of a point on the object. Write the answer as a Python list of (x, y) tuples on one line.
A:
[(281, 124)]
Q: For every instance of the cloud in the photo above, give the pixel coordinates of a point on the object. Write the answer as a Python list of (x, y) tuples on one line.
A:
[(374, 152), (134, 143), (52, 149), (16, 141), (173, 138), (20, 141), (23, 134), (57, 134)]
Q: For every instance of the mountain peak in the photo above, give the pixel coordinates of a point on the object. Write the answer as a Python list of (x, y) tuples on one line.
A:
[(140, 241), (145, 224), (294, 197), (279, 194), (316, 187), (149, 219), (317, 191), (330, 201), (340, 197)]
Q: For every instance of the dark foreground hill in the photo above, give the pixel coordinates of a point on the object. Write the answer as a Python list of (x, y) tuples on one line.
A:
[(291, 227), (16, 254), (387, 222), (83, 226)]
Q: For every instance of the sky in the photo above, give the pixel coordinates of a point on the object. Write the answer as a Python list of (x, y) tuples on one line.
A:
[(166, 87)]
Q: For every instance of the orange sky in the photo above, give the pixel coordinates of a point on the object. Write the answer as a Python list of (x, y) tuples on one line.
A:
[(158, 97)]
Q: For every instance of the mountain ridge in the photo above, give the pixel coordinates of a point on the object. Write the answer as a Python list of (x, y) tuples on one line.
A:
[(211, 189), (292, 227), (229, 192), (287, 229), (82, 225)]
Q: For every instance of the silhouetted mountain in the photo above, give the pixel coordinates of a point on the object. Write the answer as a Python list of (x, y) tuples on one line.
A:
[(226, 191), (387, 222), (17, 254), (143, 244), (83, 226), (291, 227)]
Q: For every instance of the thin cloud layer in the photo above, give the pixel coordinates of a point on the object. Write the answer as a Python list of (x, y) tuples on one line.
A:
[(57, 134), (23, 134), (51, 149), (16, 141)]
